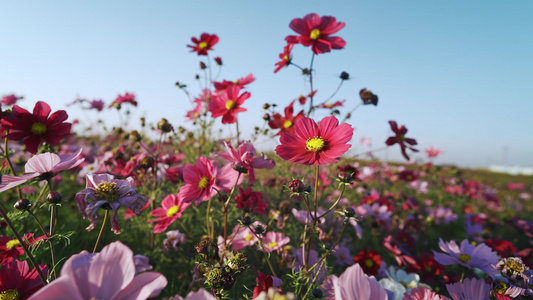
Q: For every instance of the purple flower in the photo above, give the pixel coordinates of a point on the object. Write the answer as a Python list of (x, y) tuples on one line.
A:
[(344, 258), (174, 237), (475, 289), (109, 274), (441, 215), (45, 165), (108, 193), (468, 255)]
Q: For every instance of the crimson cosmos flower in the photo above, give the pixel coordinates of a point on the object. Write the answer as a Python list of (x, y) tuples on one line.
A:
[(38, 127), (228, 104), (171, 210), (313, 144), (315, 31), (285, 58), (285, 123), (18, 282), (400, 139), (241, 82), (205, 43)]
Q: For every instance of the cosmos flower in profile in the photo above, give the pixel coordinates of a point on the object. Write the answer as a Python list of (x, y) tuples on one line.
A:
[(285, 58), (121, 99), (316, 31), (315, 144)]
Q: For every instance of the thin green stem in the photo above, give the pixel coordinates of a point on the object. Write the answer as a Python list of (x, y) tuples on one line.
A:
[(331, 249), (265, 254), (334, 204), (207, 218), (311, 108), (106, 215), (351, 111), (52, 251)]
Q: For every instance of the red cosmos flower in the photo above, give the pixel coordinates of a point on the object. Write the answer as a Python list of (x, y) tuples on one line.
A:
[(127, 98), (11, 248), (331, 105), (313, 144), (315, 31), (370, 261), (228, 104), (171, 210), (18, 282), (263, 283), (286, 123), (285, 58), (241, 82), (401, 259), (400, 139), (251, 201), (10, 99), (204, 44), (34, 129), (427, 267)]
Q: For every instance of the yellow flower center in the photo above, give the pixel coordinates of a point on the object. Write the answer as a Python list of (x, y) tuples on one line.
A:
[(285, 57), (315, 34), (172, 211), (38, 128), (202, 45), (249, 237), (272, 244), (501, 288), (342, 256), (514, 266), (12, 244), (106, 191), (464, 258), (287, 124), (10, 295), (230, 104), (203, 183), (369, 263), (315, 144)]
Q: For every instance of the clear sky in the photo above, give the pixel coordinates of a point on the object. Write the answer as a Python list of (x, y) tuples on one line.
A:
[(458, 74)]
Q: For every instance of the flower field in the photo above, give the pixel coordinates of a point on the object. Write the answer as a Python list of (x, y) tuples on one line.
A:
[(160, 211)]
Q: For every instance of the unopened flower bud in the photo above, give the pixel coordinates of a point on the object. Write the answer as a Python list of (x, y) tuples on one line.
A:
[(349, 212), (218, 60), (54, 197), (259, 229), (345, 76), (147, 163), (296, 186), (164, 126), (266, 106), (22, 204), (317, 293), (135, 136), (143, 121), (266, 117), (246, 221), (203, 65), (285, 207)]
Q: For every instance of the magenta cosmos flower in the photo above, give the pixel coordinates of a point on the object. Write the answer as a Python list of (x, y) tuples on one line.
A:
[(171, 210), (45, 165), (102, 190), (109, 274), (241, 82), (18, 282), (38, 127), (285, 58), (228, 104), (313, 144), (274, 241), (467, 255), (126, 98), (204, 179), (400, 139), (315, 31), (245, 157), (204, 44), (10, 99)]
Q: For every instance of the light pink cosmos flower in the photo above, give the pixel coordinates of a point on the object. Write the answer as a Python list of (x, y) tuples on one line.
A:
[(274, 241), (354, 284), (204, 179), (174, 237), (109, 274), (245, 157), (201, 294), (45, 165), (471, 289), (442, 215), (242, 238), (422, 293), (468, 255), (433, 152), (171, 210), (102, 190)]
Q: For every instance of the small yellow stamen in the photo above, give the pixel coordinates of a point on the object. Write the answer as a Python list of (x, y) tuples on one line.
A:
[(514, 266), (342, 256), (315, 34), (202, 45), (10, 295), (173, 211), (38, 128), (249, 237), (106, 191), (369, 263), (315, 144), (285, 57), (287, 124), (501, 288), (464, 258), (230, 104), (203, 183), (272, 244), (12, 244)]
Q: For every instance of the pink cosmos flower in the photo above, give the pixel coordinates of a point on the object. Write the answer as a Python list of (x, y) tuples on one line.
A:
[(471, 289), (241, 82), (10, 99), (127, 98), (204, 178), (354, 284), (313, 144), (400, 139), (422, 293), (109, 274), (174, 237), (38, 127), (18, 282), (468, 255), (366, 141), (96, 104), (171, 210), (228, 104), (285, 58), (102, 190), (242, 238), (245, 157), (433, 152), (315, 31), (201, 294), (45, 165), (274, 241), (204, 44)]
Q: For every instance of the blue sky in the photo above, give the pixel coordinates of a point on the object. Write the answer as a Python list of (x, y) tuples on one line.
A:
[(458, 74)]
